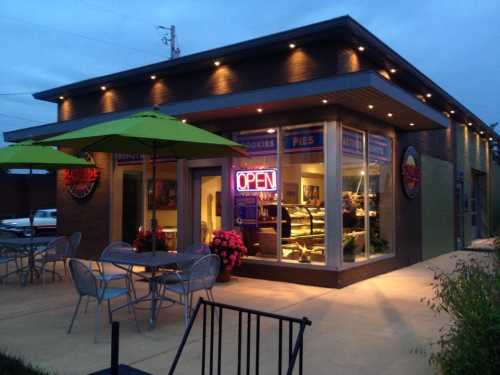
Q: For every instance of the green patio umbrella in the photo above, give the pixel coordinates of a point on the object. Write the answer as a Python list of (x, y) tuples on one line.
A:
[(150, 133), (27, 155)]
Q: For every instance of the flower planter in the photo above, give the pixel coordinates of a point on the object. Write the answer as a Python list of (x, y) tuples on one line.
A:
[(224, 276)]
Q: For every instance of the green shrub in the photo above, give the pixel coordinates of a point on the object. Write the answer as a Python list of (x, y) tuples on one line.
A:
[(11, 365), (470, 295)]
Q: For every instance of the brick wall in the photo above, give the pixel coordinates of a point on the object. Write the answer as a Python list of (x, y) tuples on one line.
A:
[(91, 216)]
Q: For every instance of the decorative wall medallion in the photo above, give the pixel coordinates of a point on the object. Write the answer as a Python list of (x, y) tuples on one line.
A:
[(81, 182), (410, 172)]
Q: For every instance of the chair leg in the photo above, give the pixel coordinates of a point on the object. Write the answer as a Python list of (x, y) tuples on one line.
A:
[(186, 309), (97, 319), (74, 314), (65, 268), (110, 313), (87, 305), (129, 297)]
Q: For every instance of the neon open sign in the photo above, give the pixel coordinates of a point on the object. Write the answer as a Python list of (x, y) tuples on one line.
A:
[(256, 180)]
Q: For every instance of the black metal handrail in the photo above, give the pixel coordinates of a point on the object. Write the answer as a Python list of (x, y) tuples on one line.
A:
[(295, 350)]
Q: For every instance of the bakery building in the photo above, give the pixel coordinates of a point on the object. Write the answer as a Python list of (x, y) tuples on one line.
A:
[(359, 164)]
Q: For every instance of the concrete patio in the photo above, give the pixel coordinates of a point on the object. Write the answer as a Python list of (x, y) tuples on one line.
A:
[(367, 328)]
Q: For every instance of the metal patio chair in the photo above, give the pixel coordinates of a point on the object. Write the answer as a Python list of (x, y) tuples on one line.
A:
[(74, 244), (86, 284), (56, 251), (107, 272), (8, 256), (201, 276), (172, 276)]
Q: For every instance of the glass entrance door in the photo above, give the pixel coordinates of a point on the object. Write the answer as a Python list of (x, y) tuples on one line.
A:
[(207, 185)]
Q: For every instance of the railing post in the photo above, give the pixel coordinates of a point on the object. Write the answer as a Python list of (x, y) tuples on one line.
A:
[(115, 347)]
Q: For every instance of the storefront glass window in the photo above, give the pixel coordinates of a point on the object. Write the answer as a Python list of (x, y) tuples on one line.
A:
[(380, 185), (302, 194), (256, 192), (353, 196)]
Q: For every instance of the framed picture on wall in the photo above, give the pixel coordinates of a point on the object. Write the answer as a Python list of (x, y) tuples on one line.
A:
[(290, 193), (310, 194), (166, 194)]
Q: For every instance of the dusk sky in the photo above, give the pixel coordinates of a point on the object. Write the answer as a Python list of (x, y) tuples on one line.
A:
[(50, 43)]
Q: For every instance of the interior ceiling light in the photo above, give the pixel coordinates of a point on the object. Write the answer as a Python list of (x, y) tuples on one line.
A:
[(292, 45), (260, 110), (103, 88), (271, 130), (324, 101), (217, 63), (361, 48), (393, 70), (152, 76), (370, 106), (389, 114)]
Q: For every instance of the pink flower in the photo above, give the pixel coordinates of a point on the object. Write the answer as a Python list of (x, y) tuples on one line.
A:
[(224, 243), (217, 241)]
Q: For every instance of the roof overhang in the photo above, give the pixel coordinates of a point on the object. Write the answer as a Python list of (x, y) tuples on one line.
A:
[(355, 91)]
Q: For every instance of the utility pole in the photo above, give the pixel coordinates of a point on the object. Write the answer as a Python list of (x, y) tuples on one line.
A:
[(169, 38)]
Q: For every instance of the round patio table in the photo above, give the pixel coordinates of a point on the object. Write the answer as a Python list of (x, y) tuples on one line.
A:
[(26, 246)]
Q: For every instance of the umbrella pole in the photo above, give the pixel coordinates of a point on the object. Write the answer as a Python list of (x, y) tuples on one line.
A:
[(153, 218), (31, 259)]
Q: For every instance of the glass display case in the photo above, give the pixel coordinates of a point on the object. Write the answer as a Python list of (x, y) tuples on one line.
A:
[(303, 233)]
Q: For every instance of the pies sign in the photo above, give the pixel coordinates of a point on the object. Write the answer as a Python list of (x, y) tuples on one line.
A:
[(81, 182), (410, 172)]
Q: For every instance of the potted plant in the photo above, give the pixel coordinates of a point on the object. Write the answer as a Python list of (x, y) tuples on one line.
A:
[(144, 240), (229, 246), (349, 246)]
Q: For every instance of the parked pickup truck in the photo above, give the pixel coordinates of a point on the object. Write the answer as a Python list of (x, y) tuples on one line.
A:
[(44, 224)]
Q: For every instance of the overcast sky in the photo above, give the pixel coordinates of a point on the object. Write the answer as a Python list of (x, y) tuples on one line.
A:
[(49, 43)]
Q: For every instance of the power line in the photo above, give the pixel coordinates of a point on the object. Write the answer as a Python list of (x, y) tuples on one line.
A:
[(91, 38), (19, 118)]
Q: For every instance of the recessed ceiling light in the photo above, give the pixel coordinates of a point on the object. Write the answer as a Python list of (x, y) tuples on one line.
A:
[(61, 97), (412, 124), (216, 62), (393, 70), (361, 48), (103, 88), (152, 76), (292, 45), (452, 111), (370, 106), (259, 110), (271, 130), (184, 120), (324, 101), (429, 95), (389, 114)]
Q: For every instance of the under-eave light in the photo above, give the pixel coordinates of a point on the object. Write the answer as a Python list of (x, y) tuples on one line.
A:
[(389, 114), (61, 97), (481, 132), (393, 70), (370, 106), (469, 123), (260, 110), (184, 120), (152, 76), (412, 124), (103, 88), (361, 48), (452, 111), (217, 63), (429, 95), (271, 130), (292, 45), (490, 139), (324, 101)]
